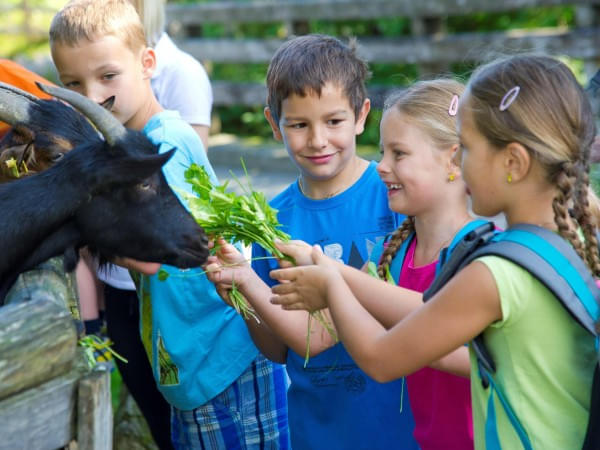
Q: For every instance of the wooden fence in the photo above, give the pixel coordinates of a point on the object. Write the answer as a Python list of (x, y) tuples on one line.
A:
[(48, 397), (429, 46)]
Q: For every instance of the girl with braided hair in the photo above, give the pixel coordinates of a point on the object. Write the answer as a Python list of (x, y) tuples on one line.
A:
[(525, 128), (418, 142)]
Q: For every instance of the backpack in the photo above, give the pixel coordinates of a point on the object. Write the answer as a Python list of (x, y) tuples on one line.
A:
[(551, 259), (398, 260)]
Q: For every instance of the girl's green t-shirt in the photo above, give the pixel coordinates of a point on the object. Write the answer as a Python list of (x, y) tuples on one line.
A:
[(545, 362)]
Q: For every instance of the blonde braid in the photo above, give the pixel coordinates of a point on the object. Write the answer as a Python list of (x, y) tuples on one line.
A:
[(565, 180), (583, 213), (398, 237)]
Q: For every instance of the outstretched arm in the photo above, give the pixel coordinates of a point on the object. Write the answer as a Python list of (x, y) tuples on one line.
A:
[(277, 329), (460, 311), (385, 306)]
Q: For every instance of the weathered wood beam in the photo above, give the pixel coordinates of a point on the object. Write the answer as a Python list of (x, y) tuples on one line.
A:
[(40, 418), (294, 10), (37, 342), (577, 43), (226, 93)]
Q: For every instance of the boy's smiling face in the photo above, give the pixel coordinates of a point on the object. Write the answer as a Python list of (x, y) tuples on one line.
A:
[(319, 132), (105, 67)]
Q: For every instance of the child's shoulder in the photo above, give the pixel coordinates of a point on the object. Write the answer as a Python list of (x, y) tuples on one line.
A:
[(169, 125)]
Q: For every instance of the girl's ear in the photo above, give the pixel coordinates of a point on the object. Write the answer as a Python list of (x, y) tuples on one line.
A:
[(148, 62), (452, 165), (274, 125), (516, 161), (359, 126)]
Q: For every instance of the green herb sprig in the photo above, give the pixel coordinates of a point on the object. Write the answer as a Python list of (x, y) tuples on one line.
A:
[(246, 218)]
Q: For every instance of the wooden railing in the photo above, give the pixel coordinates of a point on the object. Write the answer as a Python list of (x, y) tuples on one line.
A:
[(430, 45)]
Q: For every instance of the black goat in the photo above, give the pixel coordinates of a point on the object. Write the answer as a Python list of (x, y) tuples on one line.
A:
[(109, 194)]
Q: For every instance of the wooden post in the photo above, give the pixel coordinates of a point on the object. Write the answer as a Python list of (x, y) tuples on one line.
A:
[(428, 27), (94, 412)]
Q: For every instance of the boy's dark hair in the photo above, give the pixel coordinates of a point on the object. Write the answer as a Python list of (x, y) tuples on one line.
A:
[(306, 63)]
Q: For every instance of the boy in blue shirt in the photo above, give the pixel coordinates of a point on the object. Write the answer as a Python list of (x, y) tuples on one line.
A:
[(317, 105), (223, 394)]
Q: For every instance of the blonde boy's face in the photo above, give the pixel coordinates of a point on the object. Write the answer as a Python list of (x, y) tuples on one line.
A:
[(106, 67), (319, 132)]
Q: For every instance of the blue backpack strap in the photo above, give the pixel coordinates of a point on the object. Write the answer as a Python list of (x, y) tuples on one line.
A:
[(446, 252), (470, 242), (398, 259), (554, 262)]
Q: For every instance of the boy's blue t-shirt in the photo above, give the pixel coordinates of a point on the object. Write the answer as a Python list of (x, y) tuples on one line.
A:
[(332, 403), (196, 343)]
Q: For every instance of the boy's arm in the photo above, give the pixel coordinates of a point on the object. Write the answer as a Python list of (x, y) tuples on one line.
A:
[(289, 328)]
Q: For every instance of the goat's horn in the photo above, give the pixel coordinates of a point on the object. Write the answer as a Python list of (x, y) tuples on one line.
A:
[(107, 124), (14, 104)]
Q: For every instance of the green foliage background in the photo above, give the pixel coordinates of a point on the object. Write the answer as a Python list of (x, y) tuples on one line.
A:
[(241, 120), (246, 121)]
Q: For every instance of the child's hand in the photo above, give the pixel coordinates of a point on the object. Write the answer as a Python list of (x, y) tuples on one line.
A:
[(300, 251), (305, 287), (225, 267), (147, 268)]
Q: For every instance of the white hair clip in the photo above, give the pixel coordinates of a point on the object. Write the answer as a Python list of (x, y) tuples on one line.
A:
[(509, 98), (453, 105)]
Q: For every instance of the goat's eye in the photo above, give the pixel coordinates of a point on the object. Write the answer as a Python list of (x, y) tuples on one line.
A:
[(145, 185), (57, 157)]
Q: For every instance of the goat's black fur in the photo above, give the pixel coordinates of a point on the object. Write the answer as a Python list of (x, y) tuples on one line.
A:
[(113, 198)]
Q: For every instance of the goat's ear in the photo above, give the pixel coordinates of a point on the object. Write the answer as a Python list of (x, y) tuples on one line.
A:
[(142, 167), (108, 103), (70, 259)]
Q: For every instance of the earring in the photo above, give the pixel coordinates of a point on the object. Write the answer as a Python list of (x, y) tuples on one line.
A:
[(509, 178), (451, 177)]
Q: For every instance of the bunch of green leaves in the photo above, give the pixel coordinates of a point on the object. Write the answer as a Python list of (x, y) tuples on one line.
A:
[(246, 218)]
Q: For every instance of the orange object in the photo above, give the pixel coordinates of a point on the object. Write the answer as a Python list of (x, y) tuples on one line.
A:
[(19, 76)]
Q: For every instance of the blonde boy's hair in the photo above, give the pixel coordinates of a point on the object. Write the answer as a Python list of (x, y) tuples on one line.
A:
[(152, 14), (93, 19)]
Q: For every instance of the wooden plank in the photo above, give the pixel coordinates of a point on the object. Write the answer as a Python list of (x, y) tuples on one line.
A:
[(94, 412), (228, 12), (577, 43), (40, 418), (226, 93), (37, 342), (231, 93)]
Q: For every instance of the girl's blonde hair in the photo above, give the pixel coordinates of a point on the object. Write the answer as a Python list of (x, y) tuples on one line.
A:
[(552, 118), (428, 105), (92, 19)]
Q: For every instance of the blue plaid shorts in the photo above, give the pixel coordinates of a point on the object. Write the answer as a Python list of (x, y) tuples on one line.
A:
[(250, 414)]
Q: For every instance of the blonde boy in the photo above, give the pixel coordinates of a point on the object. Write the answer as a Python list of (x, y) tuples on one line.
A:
[(317, 105), (222, 393)]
